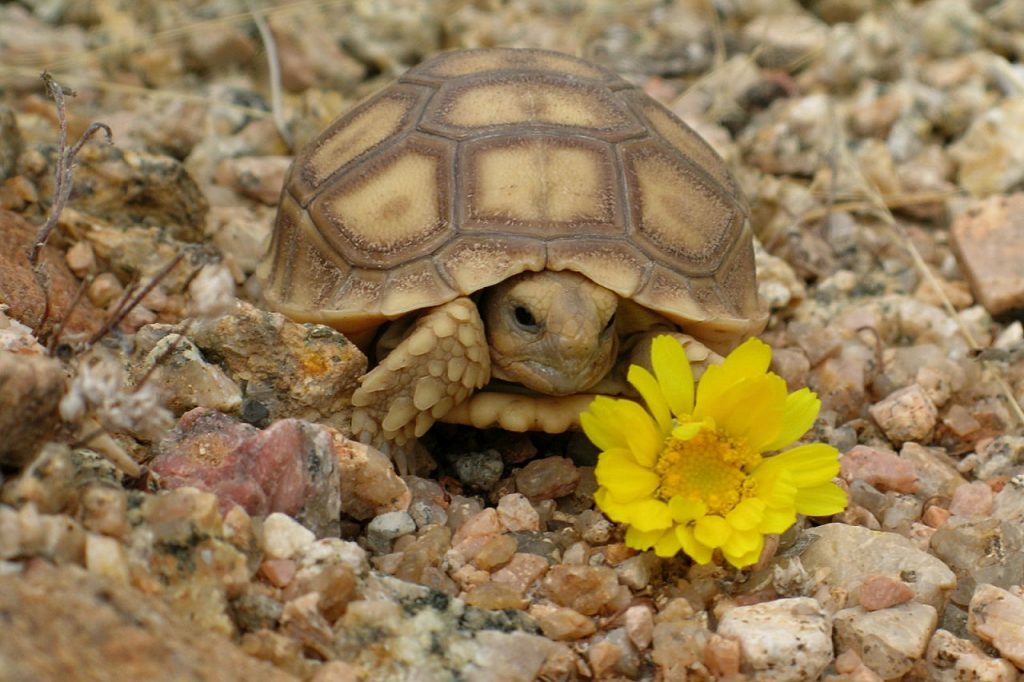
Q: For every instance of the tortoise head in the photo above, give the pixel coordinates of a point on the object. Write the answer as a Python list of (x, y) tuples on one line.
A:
[(551, 331)]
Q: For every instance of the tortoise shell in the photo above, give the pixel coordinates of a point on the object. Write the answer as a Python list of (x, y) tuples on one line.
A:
[(481, 164)]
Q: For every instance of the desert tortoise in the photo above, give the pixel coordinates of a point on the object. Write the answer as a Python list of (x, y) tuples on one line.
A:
[(518, 217)]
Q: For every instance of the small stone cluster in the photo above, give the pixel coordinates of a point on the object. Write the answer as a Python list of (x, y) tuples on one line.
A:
[(179, 498)]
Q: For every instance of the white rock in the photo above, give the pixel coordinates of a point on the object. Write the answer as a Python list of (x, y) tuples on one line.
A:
[(284, 537), (849, 554), (782, 640), (997, 616), (105, 556), (888, 640), (951, 659)]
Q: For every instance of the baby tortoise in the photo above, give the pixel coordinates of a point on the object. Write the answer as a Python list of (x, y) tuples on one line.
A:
[(519, 220)]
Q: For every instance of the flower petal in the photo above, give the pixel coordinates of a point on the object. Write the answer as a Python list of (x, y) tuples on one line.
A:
[(650, 391), (693, 547), (672, 370), (821, 500), (777, 520), (686, 509), (618, 512), (638, 539), (642, 434), (749, 359), (667, 545), (750, 411), (603, 433), (742, 543), (626, 480), (648, 515), (809, 465), (745, 516), (712, 530), (748, 558), (802, 409)]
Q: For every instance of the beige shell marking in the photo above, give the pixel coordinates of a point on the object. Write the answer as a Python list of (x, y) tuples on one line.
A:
[(481, 164)]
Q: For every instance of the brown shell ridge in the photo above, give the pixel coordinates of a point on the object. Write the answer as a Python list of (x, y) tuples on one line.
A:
[(414, 115)]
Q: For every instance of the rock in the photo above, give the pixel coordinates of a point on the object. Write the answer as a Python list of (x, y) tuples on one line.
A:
[(31, 387), (386, 527), (522, 571), (789, 138), (851, 554), (256, 177), (937, 475), (974, 498), (495, 553), (997, 617), (290, 467), (495, 596), (64, 623), (586, 589), (284, 537), (639, 621), (369, 484), (781, 640), (184, 376), (306, 371), (883, 469), (562, 624), (547, 478), (20, 289), (980, 550), (130, 187), (906, 415), (988, 155), (951, 659), (678, 645), (10, 142), (889, 640), (479, 470), (988, 240), (999, 456), (241, 232), (639, 571), (883, 591), (517, 514)]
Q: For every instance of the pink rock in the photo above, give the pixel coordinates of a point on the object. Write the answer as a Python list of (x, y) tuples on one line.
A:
[(906, 415), (972, 498), (582, 588), (883, 469), (522, 571), (882, 591), (369, 485), (517, 514), (547, 479), (278, 572), (988, 239), (289, 467)]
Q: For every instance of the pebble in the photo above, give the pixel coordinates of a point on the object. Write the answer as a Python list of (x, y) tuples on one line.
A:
[(586, 589), (639, 571), (988, 239), (678, 645), (491, 595), (369, 484), (33, 386), (951, 659), (104, 510), (906, 415), (495, 553), (106, 556), (386, 527), (785, 640), (936, 470), (479, 470), (723, 656), (522, 571), (517, 514), (883, 469), (883, 591), (989, 155), (278, 572), (181, 372), (851, 554), (256, 177), (307, 371), (562, 624), (975, 498), (980, 550), (547, 478), (997, 617), (81, 259), (290, 467), (639, 623), (283, 536), (889, 640)]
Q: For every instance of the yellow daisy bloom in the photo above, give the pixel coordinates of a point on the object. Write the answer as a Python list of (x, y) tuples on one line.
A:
[(689, 472)]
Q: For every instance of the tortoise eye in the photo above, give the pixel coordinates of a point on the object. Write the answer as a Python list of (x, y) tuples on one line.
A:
[(525, 318)]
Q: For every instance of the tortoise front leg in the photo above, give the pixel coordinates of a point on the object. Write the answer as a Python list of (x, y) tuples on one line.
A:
[(699, 355), (440, 362)]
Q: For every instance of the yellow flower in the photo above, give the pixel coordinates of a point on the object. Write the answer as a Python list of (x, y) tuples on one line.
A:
[(690, 473)]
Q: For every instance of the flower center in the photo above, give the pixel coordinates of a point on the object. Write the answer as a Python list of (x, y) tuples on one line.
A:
[(709, 467)]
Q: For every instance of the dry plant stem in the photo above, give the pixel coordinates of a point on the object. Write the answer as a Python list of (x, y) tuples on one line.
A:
[(65, 162), (92, 435), (122, 310), (274, 66)]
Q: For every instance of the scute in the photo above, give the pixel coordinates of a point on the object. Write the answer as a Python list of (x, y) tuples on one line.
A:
[(478, 165)]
